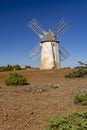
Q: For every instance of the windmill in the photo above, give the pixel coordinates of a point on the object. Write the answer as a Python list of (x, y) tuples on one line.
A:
[(49, 49)]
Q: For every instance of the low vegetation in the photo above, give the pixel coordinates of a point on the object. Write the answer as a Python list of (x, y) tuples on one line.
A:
[(15, 79), (80, 71), (13, 67), (10, 68), (77, 73), (81, 99), (75, 121)]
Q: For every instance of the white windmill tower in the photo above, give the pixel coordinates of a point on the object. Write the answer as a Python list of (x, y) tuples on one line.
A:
[(49, 48)]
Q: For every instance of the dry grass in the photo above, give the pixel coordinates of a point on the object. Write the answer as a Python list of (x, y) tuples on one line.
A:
[(24, 110)]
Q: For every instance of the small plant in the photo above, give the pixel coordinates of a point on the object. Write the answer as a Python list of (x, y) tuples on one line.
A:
[(81, 99), (77, 74), (74, 121), (15, 79)]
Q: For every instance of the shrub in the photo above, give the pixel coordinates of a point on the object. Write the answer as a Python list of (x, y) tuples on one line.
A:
[(27, 67), (15, 79), (81, 99), (7, 68), (74, 121), (17, 67), (77, 74), (10, 68)]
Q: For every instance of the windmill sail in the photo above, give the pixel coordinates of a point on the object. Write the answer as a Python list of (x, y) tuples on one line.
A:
[(35, 52), (64, 54), (37, 28), (61, 27)]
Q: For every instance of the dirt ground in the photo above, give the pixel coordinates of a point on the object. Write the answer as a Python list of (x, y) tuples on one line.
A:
[(22, 108)]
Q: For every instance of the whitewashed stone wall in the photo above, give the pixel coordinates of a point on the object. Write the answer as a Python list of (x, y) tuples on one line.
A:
[(49, 56)]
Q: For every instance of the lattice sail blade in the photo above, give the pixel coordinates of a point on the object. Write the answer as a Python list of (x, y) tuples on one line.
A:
[(37, 28), (58, 25), (61, 27), (63, 30), (35, 52), (63, 53)]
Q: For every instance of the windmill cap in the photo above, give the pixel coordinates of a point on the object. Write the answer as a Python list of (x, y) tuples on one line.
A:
[(50, 36)]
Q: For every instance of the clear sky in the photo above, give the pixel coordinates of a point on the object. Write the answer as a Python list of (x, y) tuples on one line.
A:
[(16, 39)]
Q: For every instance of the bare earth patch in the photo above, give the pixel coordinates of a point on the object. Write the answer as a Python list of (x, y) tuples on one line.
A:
[(48, 94)]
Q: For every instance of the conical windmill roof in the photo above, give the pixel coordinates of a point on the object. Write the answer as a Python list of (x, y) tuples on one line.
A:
[(50, 36)]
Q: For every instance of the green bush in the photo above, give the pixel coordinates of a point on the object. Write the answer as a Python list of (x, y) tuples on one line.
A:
[(10, 68), (74, 121), (7, 68), (77, 74), (81, 99), (15, 79), (17, 67)]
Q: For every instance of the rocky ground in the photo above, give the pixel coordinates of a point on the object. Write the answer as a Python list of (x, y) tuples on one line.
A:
[(47, 94)]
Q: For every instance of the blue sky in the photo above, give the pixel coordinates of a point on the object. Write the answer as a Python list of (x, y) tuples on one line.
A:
[(16, 39)]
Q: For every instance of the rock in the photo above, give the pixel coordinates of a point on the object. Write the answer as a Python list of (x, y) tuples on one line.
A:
[(34, 89), (40, 89), (49, 84), (32, 113), (6, 116), (55, 86), (27, 89), (82, 90)]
